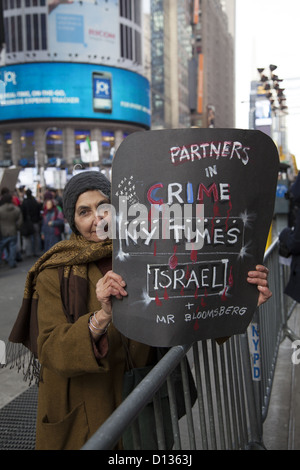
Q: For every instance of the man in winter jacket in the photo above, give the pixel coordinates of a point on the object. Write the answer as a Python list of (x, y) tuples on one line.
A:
[(10, 222), (31, 211)]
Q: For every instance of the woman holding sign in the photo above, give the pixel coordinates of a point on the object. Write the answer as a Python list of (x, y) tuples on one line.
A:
[(67, 304)]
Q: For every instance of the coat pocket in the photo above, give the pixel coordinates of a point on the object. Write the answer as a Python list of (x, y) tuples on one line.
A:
[(68, 434)]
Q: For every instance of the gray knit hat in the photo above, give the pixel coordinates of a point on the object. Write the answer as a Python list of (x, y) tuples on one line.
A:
[(78, 184)]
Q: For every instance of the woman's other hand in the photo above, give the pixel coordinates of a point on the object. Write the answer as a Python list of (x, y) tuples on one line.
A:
[(260, 278)]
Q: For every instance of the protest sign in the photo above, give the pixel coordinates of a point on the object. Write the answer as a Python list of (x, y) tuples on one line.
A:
[(193, 212)]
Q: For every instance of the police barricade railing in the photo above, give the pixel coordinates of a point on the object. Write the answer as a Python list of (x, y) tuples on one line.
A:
[(224, 415), (233, 382), (265, 333), (110, 432), (269, 327)]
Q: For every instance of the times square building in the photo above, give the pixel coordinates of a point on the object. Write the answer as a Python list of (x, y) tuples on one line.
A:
[(71, 75)]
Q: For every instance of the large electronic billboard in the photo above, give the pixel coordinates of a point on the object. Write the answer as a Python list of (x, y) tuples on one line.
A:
[(73, 90)]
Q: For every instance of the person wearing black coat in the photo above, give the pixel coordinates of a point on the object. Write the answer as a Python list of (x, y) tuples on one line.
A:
[(31, 210), (290, 237)]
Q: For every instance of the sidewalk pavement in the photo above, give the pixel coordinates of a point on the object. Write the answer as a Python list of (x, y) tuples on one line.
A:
[(12, 282), (281, 429), (11, 385)]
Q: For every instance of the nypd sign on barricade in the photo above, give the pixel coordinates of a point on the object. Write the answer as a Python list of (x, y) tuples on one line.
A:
[(193, 211)]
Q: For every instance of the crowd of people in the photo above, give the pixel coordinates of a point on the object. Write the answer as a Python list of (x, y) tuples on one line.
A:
[(29, 225)]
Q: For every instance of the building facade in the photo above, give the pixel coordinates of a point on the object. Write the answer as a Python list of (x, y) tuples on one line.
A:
[(171, 50), (213, 63), (70, 73), (192, 63)]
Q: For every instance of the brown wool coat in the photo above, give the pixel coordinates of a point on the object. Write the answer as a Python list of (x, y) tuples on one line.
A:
[(77, 393)]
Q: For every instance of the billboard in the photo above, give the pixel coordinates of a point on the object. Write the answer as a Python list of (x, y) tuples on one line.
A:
[(73, 90), (78, 27)]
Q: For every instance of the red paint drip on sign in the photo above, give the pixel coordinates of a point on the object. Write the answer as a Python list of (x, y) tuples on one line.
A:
[(166, 297)]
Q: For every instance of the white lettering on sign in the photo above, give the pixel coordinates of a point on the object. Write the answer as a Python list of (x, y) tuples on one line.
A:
[(194, 152)]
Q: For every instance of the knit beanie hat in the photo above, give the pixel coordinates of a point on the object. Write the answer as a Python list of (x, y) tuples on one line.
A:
[(78, 184), (48, 196)]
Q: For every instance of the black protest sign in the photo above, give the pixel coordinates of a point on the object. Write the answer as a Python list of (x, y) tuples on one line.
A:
[(193, 212)]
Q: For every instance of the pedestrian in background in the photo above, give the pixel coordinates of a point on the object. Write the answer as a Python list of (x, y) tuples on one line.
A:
[(31, 210), (17, 202), (290, 238), (53, 222), (10, 222)]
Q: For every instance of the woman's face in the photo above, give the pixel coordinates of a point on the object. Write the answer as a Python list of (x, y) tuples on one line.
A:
[(49, 204), (86, 213)]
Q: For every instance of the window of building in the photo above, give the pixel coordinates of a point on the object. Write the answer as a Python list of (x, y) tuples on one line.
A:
[(44, 32), (126, 9), (130, 34), (7, 37), (137, 12), (137, 45), (34, 24), (53, 146), (5, 142), (28, 33), (80, 136), (126, 42), (108, 147), (36, 33), (27, 144), (131, 10)]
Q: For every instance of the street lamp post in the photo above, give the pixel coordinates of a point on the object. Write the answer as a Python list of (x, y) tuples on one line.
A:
[(272, 85)]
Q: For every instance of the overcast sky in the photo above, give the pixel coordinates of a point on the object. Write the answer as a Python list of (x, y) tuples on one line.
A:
[(267, 32)]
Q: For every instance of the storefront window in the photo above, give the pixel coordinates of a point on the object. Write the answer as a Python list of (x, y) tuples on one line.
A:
[(54, 146), (80, 136), (6, 144), (5, 150), (108, 147), (27, 145)]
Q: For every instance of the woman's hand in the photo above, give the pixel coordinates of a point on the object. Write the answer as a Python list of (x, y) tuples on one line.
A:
[(110, 284), (260, 278)]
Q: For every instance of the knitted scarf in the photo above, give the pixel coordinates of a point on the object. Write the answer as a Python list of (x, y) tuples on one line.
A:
[(71, 257)]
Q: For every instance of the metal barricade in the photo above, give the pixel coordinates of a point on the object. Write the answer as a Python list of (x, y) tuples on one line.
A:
[(271, 320), (233, 381)]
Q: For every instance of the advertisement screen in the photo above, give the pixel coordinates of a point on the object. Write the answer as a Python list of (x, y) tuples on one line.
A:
[(67, 90), (76, 27), (102, 92)]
